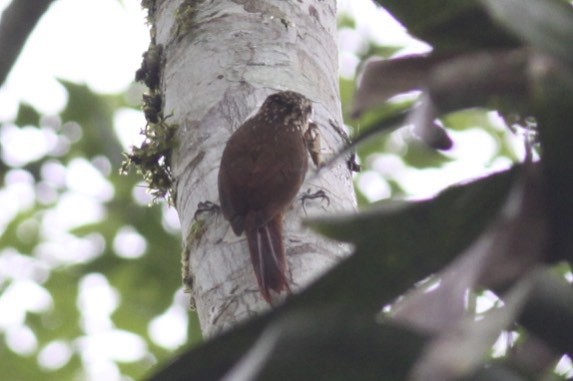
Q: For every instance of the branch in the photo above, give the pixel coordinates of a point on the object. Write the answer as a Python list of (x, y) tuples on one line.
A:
[(18, 21)]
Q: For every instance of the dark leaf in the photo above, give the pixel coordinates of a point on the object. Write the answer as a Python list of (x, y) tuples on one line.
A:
[(450, 82), (507, 250), (460, 349), (531, 355), (545, 24), (553, 91), (548, 312), (397, 246), (473, 80), (340, 347), (495, 372), (450, 25)]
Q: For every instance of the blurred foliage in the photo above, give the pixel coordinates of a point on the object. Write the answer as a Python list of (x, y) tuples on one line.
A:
[(145, 285)]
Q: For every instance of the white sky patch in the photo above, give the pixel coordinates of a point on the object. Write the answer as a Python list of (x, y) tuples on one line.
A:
[(54, 173), (55, 355), (565, 367), (23, 145), (472, 154), (21, 340), (16, 196), (19, 298), (376, 24), (11, 316), (486, 301), (170, 219), (373, 186), (129, 244), (97, 300), (140, 194), (128, 124), (67, 249), (169, 330), (474, 143), (103, 344), (32, 297), (98, 368), (350, 40), (348, 64), (115, 345), (387, 164), (351, 43), (103, 165), (72, 210), (84, 179), (503, 343), (46, 194), (44, 93), (70, 42), (17, 266)]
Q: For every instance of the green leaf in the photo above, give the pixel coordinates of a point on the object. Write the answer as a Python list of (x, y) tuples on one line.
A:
[(61, 322), (347, 89), (466, 119), (94, 112), (377, 50), (420, 156), (27, 115), (346, 21), (19, 236)]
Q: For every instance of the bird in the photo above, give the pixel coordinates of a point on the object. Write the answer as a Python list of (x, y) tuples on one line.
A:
[(262, 168)]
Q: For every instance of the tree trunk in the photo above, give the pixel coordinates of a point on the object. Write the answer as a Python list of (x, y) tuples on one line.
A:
[(221, 60)]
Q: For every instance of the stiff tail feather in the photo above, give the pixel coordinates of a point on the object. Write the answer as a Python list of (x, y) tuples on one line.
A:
[(268, 257)]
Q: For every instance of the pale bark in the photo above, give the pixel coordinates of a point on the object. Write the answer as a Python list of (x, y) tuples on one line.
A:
[(215, 76)]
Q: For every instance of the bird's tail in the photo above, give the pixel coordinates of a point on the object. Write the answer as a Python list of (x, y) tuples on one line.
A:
[(268, 256)]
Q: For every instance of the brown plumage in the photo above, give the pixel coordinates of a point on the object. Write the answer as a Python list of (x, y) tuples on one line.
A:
[(262, 169)]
